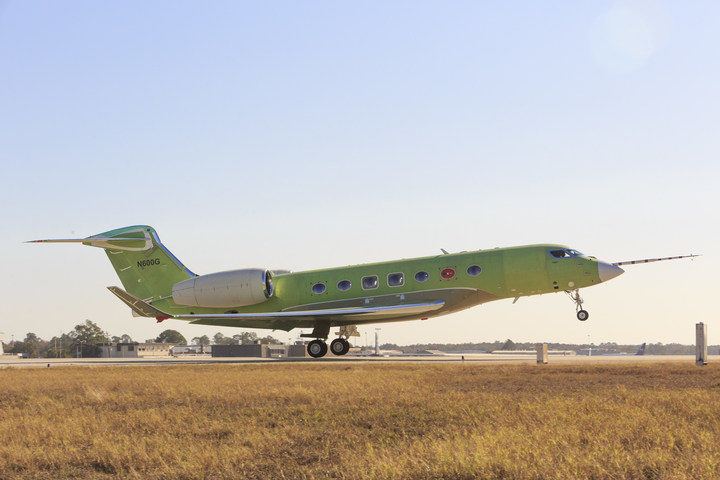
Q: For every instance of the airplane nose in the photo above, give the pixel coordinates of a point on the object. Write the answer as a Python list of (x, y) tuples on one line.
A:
[(608, 271)]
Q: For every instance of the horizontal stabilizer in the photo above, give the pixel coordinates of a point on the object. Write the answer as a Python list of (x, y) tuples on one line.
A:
[(140, 242), (650, 260), (138, 306)]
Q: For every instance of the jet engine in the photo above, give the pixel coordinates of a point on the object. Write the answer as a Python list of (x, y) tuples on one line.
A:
[(236, 288)]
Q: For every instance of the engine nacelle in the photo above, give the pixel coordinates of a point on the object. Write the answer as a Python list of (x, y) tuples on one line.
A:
[(236, 288)]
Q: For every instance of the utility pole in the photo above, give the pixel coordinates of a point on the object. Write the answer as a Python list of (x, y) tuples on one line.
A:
[(377, 342)]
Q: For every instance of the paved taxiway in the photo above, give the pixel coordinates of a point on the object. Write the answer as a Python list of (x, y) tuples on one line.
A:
[(14, 362)]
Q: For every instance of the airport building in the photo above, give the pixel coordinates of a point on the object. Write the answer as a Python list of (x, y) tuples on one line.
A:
[(260, 350), (133, 350), (191, 350)]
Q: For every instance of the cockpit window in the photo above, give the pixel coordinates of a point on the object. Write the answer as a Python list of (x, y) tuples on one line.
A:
[(564, 253)]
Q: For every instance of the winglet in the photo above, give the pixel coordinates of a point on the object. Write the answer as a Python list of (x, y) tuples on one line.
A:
[(138, 306)]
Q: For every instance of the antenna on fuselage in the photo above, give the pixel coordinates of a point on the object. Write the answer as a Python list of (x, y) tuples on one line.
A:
[(444, 251)]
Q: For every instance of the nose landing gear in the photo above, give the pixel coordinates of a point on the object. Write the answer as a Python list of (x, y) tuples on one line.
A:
[(574, 295)]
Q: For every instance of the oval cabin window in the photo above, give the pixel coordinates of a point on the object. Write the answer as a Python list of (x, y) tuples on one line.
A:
[(474, 270), (422, 276)]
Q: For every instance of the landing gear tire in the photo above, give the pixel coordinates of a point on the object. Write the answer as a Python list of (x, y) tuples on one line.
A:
[(317, 348), (583, 315), (340, 346)]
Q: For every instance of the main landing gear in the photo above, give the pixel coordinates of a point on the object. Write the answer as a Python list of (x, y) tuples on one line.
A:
[(318, 348), (574, 295), (340, 346)]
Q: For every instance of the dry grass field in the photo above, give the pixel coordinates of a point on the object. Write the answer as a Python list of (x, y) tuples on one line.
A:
[(645, 421)]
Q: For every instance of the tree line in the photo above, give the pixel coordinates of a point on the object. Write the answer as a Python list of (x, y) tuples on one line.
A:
[(84, 338), (650, 348)]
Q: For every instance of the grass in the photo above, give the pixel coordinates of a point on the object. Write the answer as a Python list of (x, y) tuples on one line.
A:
[(645, 421)]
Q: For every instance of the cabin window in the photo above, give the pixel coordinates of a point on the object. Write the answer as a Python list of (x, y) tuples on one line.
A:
[(344, 285), (370, 282), (396, 279), (474, 270), (421, 276), (318, 288)]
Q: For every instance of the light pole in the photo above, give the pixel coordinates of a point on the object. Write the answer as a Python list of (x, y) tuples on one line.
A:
[(377, 342)]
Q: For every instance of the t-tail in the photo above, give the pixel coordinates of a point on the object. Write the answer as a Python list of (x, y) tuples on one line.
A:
[(146, 268)]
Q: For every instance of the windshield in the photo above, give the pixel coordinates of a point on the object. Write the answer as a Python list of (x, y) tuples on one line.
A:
[(564, 253)]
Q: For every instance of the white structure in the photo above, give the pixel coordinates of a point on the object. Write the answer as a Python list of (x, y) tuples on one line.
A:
[(701, 332), (134, 350)]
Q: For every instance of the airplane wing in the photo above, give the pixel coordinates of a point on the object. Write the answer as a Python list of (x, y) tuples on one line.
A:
[(284, 320)]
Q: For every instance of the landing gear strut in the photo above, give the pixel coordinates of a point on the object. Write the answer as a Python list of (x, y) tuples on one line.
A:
[(574, 295)]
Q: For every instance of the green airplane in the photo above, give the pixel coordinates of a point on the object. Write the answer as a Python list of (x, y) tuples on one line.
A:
[(157, 284)]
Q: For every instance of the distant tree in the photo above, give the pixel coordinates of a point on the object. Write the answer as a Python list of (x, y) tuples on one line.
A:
[(61, 347), (508, 345), (85, 337), (245, 338), (32, 345), (124, 338), (88, 333), (171, 336), (270, 340), (220, 339), (204, 340)]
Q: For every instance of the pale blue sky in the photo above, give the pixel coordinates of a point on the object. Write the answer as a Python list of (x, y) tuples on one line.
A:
[(314, 134)]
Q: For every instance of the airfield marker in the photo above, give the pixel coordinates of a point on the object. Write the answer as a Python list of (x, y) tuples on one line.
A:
[(700, 344), (542, 354)]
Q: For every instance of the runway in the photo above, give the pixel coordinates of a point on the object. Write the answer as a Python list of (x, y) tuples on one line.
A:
[(7, 361)]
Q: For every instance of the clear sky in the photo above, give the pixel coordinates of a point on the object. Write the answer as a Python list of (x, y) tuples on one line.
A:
[(314, 134)]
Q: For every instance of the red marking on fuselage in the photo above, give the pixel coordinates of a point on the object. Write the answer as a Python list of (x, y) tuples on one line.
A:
[(448, 273)]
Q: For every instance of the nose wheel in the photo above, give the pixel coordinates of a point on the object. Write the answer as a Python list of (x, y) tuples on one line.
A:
[(574, 295)]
